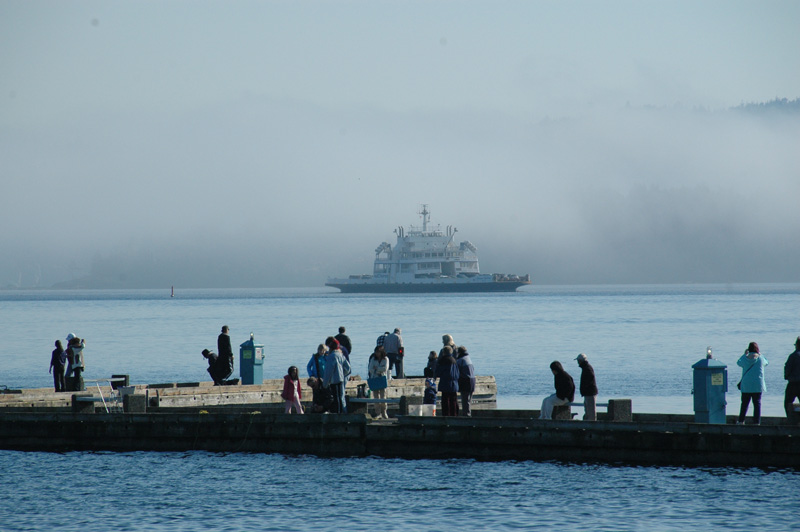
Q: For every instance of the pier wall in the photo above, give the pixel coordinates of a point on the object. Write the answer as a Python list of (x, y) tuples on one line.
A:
[(667, 443)]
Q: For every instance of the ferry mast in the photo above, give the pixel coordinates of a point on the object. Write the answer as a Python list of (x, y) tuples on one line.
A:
[(426, 216)]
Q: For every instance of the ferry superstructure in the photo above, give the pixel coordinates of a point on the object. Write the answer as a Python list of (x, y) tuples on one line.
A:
[(428, 260)]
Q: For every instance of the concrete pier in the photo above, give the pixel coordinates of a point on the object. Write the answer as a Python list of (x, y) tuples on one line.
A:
[(191, 396), (353, 435), (198, 416)]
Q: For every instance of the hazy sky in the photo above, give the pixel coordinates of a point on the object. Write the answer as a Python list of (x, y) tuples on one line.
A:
[(269, 143)]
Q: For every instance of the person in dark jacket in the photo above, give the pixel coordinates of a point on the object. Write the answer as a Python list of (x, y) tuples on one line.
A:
[(466, 380), (588, 388), (447, 373), (213, 368), (58, 361), (565, 391), (791, 372), (225, 353), (430, 369), (429, 396), (344, 341), (322, 398)]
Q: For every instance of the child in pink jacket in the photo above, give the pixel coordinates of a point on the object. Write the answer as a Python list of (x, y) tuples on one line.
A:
[(291, 391)]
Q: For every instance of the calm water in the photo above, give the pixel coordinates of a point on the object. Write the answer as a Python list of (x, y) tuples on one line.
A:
[(170, 491), (642, 341)]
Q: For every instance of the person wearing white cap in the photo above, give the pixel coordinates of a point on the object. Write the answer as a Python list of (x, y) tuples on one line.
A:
[(588, 388), (68, 373), (75, 364)]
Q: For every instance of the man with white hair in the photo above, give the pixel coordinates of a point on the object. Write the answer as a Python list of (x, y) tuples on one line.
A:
[(588, 388), (393, 345)]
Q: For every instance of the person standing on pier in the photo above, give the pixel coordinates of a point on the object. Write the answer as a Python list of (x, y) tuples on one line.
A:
[(68, 373), (466, 380), (316, 366), (752, 383), (791, 372), (337, 370), (381, 339), (344, 341), (447, 341), (430, 368), (393, 345), (225, 352), (588, 388), (57, 361), (75, 356), (378, 366), (291, 391), (565, 391), (447, 373)]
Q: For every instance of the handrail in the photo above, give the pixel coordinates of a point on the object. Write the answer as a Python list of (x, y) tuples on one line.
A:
[(109, 381)]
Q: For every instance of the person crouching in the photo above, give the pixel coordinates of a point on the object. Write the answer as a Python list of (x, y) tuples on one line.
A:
[(321, 398)]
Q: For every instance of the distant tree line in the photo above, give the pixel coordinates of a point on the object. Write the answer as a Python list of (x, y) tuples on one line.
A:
[(778, 105)]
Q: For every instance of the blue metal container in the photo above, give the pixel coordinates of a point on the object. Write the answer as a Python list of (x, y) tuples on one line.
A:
[(251, 362), (710, 385)]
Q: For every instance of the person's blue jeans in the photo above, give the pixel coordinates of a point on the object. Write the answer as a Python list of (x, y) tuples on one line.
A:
[(339, 399)]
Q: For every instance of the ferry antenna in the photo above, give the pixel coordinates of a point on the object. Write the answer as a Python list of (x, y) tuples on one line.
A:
[(426, 216)]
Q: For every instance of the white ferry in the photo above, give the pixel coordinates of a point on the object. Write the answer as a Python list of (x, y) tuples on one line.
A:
[(426, 260)]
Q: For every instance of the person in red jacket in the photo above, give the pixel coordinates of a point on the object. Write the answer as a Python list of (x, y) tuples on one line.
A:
[(291, 391)]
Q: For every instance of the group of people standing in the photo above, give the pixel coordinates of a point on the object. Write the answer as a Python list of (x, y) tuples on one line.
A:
[(67, 362), (330, 367), (328, 372), (456, 374)]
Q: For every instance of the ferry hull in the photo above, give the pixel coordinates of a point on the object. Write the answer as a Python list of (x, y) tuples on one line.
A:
[(426, 288)]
